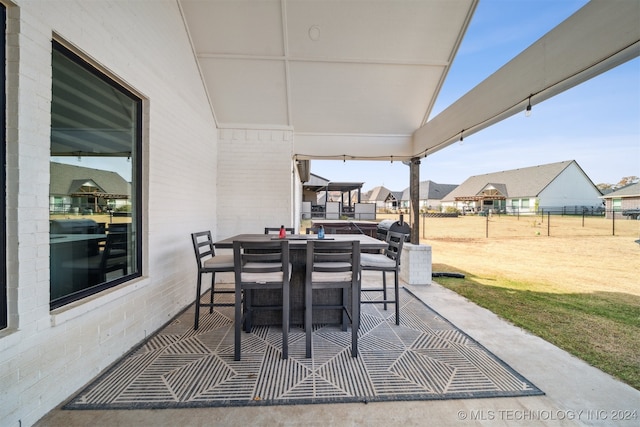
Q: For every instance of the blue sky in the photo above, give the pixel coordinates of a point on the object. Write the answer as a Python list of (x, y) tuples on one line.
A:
[(596, 123)]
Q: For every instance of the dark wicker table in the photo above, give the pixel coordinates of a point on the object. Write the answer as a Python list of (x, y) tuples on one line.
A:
[(298, 259)]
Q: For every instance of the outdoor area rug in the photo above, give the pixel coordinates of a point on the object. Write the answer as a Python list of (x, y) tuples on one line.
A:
[(424, 358)]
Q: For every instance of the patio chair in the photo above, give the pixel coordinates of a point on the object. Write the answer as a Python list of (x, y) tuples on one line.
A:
[(209, 262), (113, 257), (333, 265), (260, 266), (388, 261)]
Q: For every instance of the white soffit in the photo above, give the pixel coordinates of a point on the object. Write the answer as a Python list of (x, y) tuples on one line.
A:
[(358, 75)]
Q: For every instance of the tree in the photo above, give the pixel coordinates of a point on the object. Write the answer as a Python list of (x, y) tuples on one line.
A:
[(628, 180), (604, 186)]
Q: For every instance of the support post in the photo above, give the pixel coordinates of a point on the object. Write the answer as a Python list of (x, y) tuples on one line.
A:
[(414, 190)]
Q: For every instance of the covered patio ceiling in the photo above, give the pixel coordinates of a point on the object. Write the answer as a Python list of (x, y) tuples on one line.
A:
[(358, 79)]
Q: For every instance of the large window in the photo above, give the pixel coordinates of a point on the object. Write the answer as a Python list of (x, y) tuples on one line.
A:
[(3, 173), (94, 195)]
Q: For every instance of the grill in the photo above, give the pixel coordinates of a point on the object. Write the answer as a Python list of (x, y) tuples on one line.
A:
[(388, 225)]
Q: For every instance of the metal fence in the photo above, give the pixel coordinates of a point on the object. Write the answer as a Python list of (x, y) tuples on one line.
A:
[(543, 223)]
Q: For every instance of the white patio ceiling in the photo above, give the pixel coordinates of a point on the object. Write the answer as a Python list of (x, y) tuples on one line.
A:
[(358, 78)]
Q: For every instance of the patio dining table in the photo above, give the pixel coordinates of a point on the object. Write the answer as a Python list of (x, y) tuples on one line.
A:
[(298, 259)]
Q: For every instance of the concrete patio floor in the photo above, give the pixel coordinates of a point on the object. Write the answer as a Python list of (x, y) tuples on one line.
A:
[(575, 393)]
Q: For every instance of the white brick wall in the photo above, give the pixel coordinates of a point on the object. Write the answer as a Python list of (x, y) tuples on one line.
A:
[(256, 181), (45, 357)]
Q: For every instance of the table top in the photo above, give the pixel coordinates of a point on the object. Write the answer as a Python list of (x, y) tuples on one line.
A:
[(300, 240)]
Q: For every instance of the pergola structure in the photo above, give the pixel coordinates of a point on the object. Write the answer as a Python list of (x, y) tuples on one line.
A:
[(341, 187), (99, 195)]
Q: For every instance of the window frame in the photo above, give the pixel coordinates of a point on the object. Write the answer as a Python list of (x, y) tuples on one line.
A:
[(136, 183)]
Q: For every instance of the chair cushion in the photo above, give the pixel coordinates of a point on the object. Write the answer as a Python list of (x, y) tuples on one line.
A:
[(331, 276), (273, 276), (220, 262), (376, 261)]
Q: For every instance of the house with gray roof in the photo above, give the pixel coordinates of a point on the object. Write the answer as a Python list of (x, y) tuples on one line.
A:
[(430, 196), (561, 186), (394, 200), (77, 189), (377, 195), (623, 202)]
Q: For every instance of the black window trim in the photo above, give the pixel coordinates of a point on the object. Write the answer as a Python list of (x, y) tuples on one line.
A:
[(3, 171), (137, 179)]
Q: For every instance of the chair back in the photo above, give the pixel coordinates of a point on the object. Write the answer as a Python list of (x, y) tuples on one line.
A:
[(269, 230), (122, 227), (114, 256), (395, 242), (330, 261), (202, 247), (261, 261)]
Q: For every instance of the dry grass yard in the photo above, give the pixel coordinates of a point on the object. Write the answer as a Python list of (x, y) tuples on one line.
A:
[(572, 258)]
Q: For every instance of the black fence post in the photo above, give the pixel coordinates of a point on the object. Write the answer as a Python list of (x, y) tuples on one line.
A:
[(487, 227), (548, 223), (613, 222)]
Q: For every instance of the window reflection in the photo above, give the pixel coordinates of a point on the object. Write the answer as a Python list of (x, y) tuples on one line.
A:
[(86, 207), (93, 197)]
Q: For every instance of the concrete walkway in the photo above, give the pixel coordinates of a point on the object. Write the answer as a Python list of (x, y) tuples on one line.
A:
[(576, 393)]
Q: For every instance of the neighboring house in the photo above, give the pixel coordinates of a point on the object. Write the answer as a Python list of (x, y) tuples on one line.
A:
[(431, 195), (377, 195), (76, 189), (561, 186), (394, 199), (624, 201)]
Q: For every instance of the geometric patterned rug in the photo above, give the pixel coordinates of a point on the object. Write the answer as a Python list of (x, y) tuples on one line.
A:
[(424, 358)]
